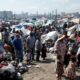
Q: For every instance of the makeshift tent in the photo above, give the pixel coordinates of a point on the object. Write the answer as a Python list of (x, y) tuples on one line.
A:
[(50, 36), (48, 23), (17, 27), (25, 31), (71, 30), (78, 27), (77, 20), (39, 23), (20, 27), (27, 24)]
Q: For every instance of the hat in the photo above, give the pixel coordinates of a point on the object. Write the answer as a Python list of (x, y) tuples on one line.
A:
[(61, 37)]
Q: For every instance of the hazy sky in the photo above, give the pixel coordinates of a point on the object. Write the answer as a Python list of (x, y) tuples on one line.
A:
[(41, 6)]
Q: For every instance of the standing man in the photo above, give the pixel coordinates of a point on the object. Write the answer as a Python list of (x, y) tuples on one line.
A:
[(31, 45), (17, 43), (38, 47)]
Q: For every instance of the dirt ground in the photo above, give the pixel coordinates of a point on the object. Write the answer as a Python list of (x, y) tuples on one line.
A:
[(43, 70)]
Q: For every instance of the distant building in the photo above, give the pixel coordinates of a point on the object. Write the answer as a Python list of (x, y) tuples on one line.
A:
[(21, 16), (6, 15), (76, 14)]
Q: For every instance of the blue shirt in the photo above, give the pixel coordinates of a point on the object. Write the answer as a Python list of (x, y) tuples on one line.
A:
[(18, 44)]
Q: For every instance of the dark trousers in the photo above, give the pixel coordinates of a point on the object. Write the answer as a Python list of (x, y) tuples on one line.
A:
[(37, 55), (78, 63), (13, 55), (66, 59), (32, 54), (19, 55)]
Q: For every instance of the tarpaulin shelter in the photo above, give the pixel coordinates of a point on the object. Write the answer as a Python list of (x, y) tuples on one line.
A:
[(50, 36), (77, 20)]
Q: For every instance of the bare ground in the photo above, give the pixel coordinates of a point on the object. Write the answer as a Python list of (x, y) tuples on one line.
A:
[(43, 70)]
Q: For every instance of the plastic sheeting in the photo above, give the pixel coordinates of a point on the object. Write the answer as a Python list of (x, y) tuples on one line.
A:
[(71, 30), (19, 27), (78, 27), (50, 36), (25, 31), (27, 24)]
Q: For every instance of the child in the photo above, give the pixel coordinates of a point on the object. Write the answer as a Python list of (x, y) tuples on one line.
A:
[(70, 70), (59, 69), (44, 50)]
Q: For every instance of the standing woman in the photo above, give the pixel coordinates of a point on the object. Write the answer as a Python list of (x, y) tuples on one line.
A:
[(60, 49)]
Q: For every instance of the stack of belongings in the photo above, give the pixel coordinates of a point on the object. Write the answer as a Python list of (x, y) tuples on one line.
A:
[(11, 70), (9, 73), (22, 68)]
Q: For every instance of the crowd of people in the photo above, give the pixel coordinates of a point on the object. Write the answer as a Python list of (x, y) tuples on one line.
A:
[(17, 47)]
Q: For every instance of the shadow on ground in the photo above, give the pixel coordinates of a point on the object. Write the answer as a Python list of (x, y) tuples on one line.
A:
[(78, 78), (32, 64), (47, 61)]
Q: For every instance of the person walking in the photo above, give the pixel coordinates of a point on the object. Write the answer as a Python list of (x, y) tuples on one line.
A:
[(31, 45), (38, 47)]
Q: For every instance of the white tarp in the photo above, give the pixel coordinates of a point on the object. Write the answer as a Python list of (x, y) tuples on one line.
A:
[(71, 30), (78, 27), (50, 36), (25, 31), (19, 27), (27, 24), (10, 68), (48, 22), (39, 23)]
